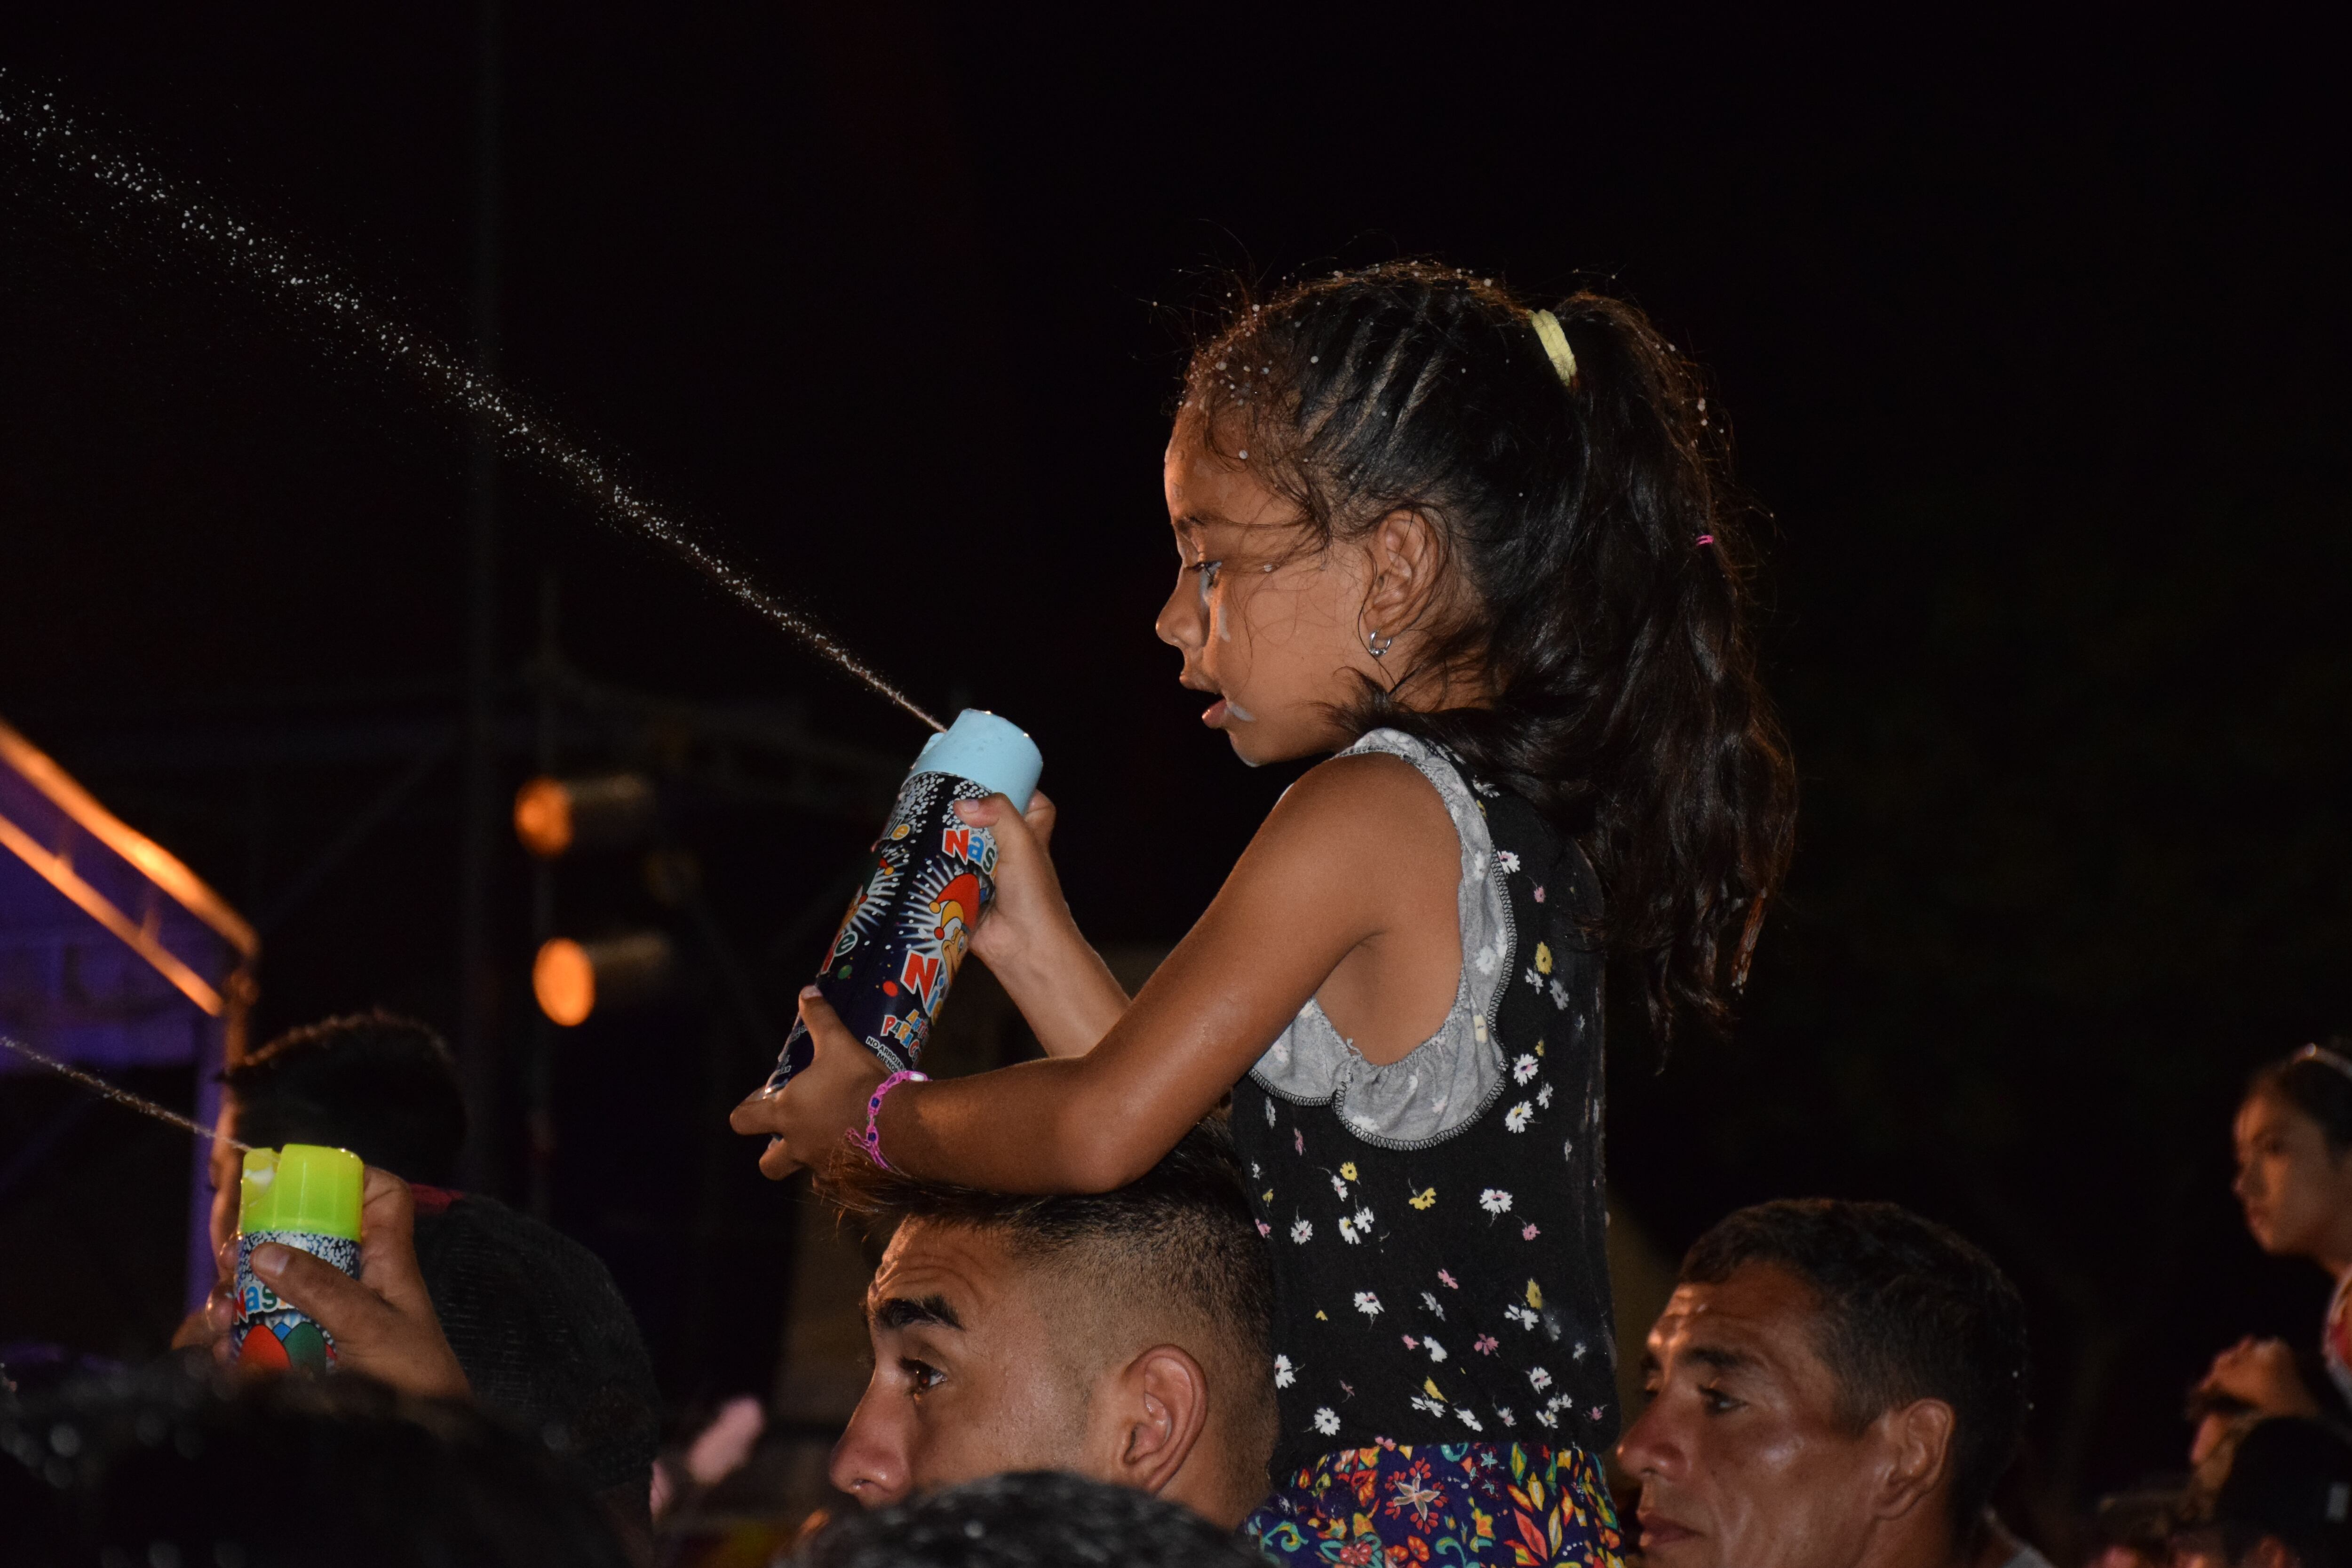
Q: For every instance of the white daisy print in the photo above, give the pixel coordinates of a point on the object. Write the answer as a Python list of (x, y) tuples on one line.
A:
[(1430, 1301), (1339, 1187), (1547, 1417), (1532, 978), (1284, 1375), (1515, 1119), (1539, 1378), (1504, 1412), (1423, 1402), (1524, 1068), (1364, 1222), (1469, 1420), (1436, 1351), (1327, 1421), (1269, 1113), (1302, 1231), (1507, 860), (1368, 1304), (1494, 1200), (1560, 995), (1521, 1316), (1543, 1097), (1347, 1231)]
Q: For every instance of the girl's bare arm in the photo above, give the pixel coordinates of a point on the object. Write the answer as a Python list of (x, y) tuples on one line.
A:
[(1321, 879)]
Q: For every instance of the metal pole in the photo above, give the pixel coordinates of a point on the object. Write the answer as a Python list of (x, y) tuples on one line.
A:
[(477, 1044), (541, 1116)]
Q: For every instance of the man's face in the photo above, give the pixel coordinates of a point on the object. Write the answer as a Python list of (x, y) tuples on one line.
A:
[(969, 1377), (1744, 1458)]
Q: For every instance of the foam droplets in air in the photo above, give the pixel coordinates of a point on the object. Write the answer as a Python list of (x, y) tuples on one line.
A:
[(139, 192)]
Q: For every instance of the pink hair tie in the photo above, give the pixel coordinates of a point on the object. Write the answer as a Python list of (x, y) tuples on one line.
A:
[(1704, 539), (872, 1142)]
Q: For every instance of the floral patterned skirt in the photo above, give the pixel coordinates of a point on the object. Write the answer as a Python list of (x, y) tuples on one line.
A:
[(1398, 1506)]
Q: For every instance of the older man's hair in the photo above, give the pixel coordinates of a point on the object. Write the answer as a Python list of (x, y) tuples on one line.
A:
[(1178, 1238), (1908, 1310)]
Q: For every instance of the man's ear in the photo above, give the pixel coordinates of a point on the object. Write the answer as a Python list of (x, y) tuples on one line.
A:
[(1918, 1461), (1162, 1400)]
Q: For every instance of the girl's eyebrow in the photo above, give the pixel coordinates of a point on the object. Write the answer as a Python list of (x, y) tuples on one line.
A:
[(1196, 520)]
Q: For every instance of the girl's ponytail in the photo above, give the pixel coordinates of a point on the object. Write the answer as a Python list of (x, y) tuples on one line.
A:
[(1610, 570)]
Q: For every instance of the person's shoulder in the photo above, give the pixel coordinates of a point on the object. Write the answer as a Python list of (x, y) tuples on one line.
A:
[(1363, 786)]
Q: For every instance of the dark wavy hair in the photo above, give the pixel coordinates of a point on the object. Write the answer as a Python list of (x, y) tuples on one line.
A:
[(1607, 567)]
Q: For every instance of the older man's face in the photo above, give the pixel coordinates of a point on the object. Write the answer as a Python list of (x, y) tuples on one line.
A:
[(1743, 1457), (969, 1380)]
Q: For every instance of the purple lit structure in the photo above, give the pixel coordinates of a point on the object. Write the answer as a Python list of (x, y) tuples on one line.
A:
[(112, 954)]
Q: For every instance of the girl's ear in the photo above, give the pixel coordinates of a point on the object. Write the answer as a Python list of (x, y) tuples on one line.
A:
[(1407, 557)]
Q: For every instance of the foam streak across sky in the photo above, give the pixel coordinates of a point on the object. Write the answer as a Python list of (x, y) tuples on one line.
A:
[(172, 211)]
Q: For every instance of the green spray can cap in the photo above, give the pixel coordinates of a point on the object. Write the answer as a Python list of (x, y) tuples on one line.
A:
[(303, 1187)]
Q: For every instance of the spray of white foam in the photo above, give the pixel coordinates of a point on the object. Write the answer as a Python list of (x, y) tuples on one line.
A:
[(173, 211), (117, 1094)]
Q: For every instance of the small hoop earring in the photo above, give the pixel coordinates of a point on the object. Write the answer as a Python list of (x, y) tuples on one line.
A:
[(1379, 645)]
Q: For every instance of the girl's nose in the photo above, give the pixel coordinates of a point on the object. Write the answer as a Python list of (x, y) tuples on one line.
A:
[(1178, 623)]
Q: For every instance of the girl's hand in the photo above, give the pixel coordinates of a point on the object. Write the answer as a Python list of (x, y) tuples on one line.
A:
[(806, 1118), (1028, 939), (1028, 914), (2260, 1373)]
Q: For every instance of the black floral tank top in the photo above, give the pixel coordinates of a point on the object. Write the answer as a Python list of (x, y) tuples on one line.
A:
[(1439, 1224)]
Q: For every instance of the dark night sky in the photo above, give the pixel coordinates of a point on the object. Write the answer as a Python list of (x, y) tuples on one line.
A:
[(2030, 331)]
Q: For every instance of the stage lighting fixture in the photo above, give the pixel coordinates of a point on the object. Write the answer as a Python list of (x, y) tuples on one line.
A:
[(554, 817), (573, 979)]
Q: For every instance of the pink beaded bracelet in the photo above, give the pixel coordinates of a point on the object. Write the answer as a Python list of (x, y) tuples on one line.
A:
[(872, 1142)]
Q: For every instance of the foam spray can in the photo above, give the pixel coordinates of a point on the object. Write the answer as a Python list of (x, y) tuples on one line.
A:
[(928, 879), (306, 1198)]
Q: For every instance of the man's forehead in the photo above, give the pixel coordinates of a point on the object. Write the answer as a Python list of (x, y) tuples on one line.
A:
[(1762, 1312), (968, 1271)]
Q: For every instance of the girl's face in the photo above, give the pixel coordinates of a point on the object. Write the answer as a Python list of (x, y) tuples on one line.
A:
[(2293, 1186), (1267, 625)]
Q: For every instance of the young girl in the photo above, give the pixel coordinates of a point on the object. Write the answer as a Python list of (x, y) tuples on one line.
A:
[(2294, 1135), (1483, 553)]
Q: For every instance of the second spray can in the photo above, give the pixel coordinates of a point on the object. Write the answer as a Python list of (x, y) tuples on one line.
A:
[(306, 1196), (929, 876)]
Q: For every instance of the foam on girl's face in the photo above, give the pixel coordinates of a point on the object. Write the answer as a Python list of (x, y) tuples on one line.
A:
[(1267, 623)]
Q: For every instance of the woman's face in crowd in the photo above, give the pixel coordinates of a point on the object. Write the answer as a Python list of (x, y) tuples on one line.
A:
[(2294, 1189)]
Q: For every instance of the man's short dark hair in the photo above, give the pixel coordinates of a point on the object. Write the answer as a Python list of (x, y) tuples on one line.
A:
[(384, 1087), (1031, 1518), (1909, 1310), (1185, 1224)]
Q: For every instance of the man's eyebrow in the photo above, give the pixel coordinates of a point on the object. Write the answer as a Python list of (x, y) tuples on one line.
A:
[(902, 1313), (1721, 1359)]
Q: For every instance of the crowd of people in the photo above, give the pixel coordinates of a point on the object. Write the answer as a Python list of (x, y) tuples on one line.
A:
[(1298, 1254), (1085, 1378)]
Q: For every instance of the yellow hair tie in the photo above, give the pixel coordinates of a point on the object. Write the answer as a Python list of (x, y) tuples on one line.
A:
[(1555, 343)]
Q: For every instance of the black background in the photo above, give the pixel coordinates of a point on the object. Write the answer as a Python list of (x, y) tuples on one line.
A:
[(2031, 333)]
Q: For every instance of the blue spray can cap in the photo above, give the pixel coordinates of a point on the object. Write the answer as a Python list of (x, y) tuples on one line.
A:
[(993, 752)]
